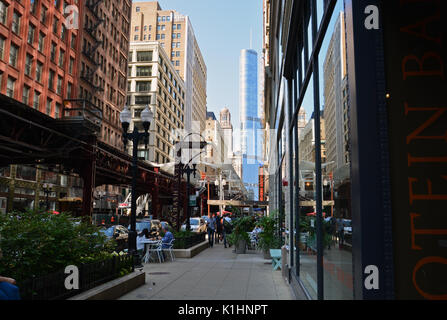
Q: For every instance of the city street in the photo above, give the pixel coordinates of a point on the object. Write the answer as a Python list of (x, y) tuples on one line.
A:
[(214, 274)]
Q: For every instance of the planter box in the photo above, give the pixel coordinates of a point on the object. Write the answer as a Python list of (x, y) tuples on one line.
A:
[(191, 252), (241, 247), (114, 289)]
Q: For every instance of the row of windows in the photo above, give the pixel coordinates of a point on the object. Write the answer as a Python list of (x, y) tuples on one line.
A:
[(16, 27)]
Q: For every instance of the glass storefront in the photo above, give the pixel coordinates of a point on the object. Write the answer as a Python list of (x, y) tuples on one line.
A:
[(312, 185)]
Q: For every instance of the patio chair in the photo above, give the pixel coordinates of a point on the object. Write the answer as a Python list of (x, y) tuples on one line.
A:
[(253, 240), (169, 249), (158, 249)]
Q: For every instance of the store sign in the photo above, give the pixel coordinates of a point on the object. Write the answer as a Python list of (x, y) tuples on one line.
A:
[(261, 184), (417, 102), (192, 200)]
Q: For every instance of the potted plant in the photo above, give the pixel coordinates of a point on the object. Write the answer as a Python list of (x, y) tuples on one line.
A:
[(267, 238), (305, 230), (239, 237)]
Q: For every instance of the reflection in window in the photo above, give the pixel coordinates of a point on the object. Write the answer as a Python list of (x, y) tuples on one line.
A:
[(26, 173)]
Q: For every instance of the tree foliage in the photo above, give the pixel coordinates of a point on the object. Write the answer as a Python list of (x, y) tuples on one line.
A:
[(35, 243)]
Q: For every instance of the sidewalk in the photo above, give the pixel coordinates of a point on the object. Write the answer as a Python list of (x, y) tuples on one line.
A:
[(215, 274)]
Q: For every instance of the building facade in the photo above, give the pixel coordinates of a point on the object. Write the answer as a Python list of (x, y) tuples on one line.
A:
[(227, 128), (390, 162), (55, 55), (335, 98), (251, 133), (176, 36), (153, 82)]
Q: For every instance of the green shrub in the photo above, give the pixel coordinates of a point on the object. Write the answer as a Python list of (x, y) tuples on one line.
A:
[(241, 226), (35, 243), (267, 238)]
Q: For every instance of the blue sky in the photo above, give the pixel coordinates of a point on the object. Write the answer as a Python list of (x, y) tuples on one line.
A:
[(222, 30)]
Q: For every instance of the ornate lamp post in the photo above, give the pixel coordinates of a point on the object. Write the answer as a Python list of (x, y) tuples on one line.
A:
[(46, 188), (185, 168), (126, 117)]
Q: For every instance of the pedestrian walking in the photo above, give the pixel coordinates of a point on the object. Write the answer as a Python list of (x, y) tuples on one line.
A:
[(340, 231), (218, 228), (227, 229), (211, 229)]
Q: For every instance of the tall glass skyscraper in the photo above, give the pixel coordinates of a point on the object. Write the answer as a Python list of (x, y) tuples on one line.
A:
[(250, 123)]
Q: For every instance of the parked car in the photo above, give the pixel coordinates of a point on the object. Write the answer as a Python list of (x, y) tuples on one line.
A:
[(119, 233), (347, 227), (197, 225), (150, 225)]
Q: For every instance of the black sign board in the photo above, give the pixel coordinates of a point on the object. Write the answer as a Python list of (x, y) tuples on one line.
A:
[(415, 60)]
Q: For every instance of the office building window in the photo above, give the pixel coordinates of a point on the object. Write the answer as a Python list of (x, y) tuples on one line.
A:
[(39, 68), (57, 111), (73, 41), (13, 54), (43, 14), (70, 66), (143, 86), (145, 71), (3, 12), (63, 32), (51, 79), (41, 41), (2, 47), (69, 90), (10, 86), (25, 94), (15, 26), (28, 64), (55, 25), (53, 52), (36, 100), (48, 106), (144, 56), (31, 31), (61, 58), (135, 37), (59, 85)]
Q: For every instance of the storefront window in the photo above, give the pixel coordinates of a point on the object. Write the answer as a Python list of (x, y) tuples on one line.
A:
[(5, 172), (319, 167), (26, 173)]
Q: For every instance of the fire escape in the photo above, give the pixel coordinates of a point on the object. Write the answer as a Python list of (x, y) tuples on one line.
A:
[(90, 51)]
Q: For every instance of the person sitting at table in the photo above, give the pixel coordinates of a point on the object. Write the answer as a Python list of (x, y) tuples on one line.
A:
[(168, 237), (140, 241), (8, 289)]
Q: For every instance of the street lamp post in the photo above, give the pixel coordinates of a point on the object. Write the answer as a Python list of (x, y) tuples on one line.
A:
[(126, 117), (185, 168), (46, 188)]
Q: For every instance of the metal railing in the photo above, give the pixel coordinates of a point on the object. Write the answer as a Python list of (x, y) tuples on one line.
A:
[(80, 109), (52, 286)]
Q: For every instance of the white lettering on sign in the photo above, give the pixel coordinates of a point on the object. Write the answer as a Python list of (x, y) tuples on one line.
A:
[(372, 280), (372, 20)]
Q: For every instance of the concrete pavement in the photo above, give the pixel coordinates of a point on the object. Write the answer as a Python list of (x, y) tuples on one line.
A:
[(215, 274)]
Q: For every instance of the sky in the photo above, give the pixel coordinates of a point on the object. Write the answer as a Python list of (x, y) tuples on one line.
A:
[(222, 30)]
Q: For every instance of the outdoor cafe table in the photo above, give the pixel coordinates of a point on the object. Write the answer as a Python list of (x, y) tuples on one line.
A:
[(149, 244)]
